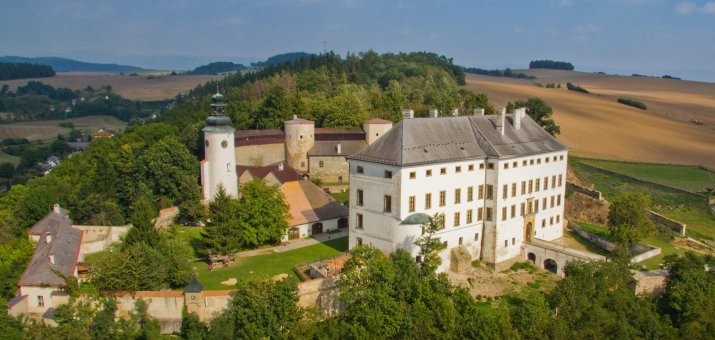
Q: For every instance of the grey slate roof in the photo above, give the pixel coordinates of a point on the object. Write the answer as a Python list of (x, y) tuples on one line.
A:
[(435, 140), (53, 219), (64, 244)]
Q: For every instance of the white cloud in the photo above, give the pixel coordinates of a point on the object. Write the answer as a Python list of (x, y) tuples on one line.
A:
[(686, 7), (709, 8)]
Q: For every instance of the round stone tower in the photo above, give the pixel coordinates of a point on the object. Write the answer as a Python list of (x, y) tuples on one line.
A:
[(300, 137), (219, 164)]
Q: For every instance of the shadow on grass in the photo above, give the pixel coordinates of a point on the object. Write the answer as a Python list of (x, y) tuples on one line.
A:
[(590, 246), (339, 244)]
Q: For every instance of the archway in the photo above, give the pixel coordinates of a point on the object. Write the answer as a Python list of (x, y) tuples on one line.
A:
[(293, 233), (551, 266), (343, 222), (317, 228), (528, 231), (532, 258)]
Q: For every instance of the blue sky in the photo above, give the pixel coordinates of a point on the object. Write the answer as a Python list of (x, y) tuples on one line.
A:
[(625, 36)]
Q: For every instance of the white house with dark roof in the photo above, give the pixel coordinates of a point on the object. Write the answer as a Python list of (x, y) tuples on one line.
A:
[(499, 180)]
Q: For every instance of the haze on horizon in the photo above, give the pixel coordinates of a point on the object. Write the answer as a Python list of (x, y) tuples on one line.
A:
[(653, 37)]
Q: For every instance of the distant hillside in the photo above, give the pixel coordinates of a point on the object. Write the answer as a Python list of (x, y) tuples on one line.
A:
[(283, 58), (217, 67), (69, 65)]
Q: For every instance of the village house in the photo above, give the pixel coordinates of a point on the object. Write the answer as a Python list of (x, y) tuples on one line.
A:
[(499, 180)]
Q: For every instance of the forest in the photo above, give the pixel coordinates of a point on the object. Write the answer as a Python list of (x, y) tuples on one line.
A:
[(9, 71), (550, 64)]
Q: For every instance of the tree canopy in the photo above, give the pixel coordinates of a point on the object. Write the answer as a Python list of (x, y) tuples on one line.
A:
[(628, 218), (541, 113)]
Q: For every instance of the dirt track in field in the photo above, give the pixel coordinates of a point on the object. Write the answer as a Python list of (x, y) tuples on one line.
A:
[(595, 125)]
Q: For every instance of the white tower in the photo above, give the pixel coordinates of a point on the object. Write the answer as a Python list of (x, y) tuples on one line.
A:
[(219, 164)]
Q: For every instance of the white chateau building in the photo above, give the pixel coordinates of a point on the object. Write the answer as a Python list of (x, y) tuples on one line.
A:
[(219, 164), (499, 180)]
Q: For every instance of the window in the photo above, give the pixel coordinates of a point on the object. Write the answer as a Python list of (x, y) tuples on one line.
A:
[(207, 143), (458, 169), (490, 166), (554, 158), (442, 198), (558, 218), (388, 174), (481, 166), (359, 201), (506, 166), (546, 183), (445, 244), (552, 201), (561, 158), (40, 301), (228, 167), (470, 194), (470, 167), (522, 209), (457, 196), (360, 170), (513, 241), (506, 243), (523, 187), (523, 163), (547, 159), (538, 161), (358, 221), (543, 223), (428, 200), (505, 191), (531, 162), (538, 185), (561, 177), (358, 241), (302, 164), (531, 185), (558, 200), (480, 194), (480, 214), (443, 171), (469, 216), (428, 173), (553, 181), (456, 219), (476, 237), (418, 258), (490, 192), (320, 164), (551, 221), (460, 240), (413, 175), (536, 205), (412, 203), (387, 204), (514, 164), (513, 210), (489, 214), (224, 144), (513, 190), (503, 214)]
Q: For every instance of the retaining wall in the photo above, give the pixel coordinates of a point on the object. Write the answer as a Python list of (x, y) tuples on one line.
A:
[(586, 191), (672, 224)]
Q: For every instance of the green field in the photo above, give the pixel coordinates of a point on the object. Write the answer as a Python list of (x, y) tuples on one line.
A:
[(48, 129), (692, 211), (267, 266), (690, 178), (5, 158), (341, 197)]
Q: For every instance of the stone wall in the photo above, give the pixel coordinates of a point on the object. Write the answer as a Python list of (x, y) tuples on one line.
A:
[(260, 155), (320, 293), (676, 226), (586, 191), (334, 169), (597, 240), (99, 238), (642, 252), (650, 282), (166, 217)]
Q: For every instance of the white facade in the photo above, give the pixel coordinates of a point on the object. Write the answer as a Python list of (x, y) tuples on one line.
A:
[(487, 233)]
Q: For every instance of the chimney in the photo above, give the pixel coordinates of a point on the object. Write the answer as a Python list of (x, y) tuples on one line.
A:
[(56, 208), (295, 117), (478, 112), (280, 166), (407, 114), (48, 238), (434, 113), (339, 148), (518, 114), (501, 120), (455, 112), (52, 259)]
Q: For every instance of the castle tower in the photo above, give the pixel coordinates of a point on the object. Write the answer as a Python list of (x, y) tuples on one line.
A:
[(300, 137), (219, 164), (374, 128)]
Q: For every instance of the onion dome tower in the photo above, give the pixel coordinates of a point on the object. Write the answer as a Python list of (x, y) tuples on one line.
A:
[(219, 164)]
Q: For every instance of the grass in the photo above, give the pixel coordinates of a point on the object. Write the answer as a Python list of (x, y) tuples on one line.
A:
[(5, 158), (681, 207), (341, 197), (689, 178), (267, 266)]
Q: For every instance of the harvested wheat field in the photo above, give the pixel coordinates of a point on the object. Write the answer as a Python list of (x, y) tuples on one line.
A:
[(48, 129), (138, 87), (595, 125)]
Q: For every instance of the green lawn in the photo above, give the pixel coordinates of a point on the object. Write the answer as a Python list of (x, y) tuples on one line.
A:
[(690, 178), (341, 197), (267, 266), (192, 235), (681, 207)]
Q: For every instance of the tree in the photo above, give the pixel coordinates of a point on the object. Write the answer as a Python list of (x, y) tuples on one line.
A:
[(191, 326), (541, 113), (628, 218), (262, 214), (222, 234), (430, 246), (102, 325), (136, 267), (143, 229)]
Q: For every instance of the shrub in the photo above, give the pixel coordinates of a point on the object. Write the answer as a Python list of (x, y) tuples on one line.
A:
[(574, 87), (633, 102)]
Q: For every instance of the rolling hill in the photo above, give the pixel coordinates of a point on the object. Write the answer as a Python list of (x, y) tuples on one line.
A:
[(595, 125), (70, 65)]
